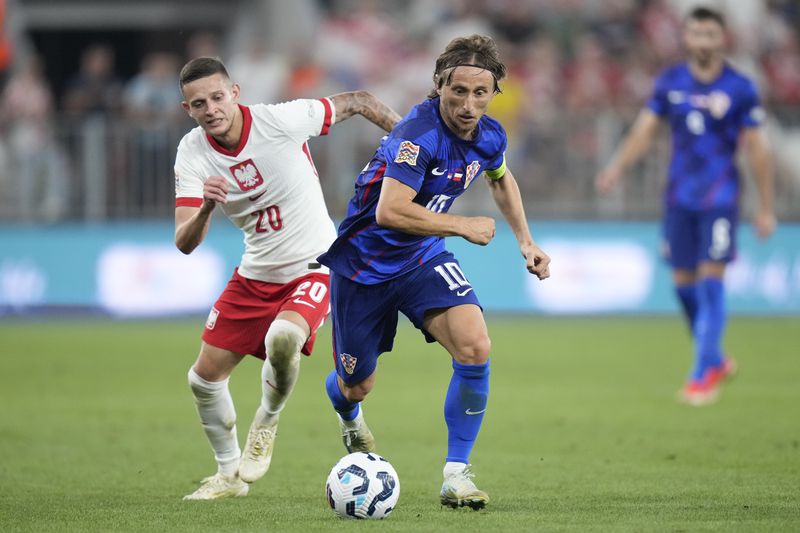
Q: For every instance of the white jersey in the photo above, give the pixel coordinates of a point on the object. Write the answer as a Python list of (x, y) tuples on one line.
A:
[(274, 193)]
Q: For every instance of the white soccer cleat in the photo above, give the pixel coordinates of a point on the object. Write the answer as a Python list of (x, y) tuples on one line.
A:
[(257, 453), (458, 490), (356, 435), (219, 486)]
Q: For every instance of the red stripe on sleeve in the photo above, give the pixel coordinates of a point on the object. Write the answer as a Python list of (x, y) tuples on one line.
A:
[(326, 123), (188, 202)]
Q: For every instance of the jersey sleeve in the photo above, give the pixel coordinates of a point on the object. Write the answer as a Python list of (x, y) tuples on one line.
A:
[(407, 156), (751, 114), (496, 168), (188, 181), (301, 119), (658, 102)]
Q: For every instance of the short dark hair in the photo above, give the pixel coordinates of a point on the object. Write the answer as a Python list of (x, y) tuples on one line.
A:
[(474, 51), (201, 67), (704, 13)]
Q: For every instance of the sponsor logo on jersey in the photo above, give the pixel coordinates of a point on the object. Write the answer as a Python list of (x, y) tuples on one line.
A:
[(212, 318), (472, 171), (256, 196), (348, 362), (247, 175), (437, 172), (407, 153)]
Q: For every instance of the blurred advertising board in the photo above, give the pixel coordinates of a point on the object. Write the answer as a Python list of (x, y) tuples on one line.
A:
[(134, 270)]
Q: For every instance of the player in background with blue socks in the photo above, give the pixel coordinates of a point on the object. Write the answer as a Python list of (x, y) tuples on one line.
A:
[(390, 256), (710, 108)]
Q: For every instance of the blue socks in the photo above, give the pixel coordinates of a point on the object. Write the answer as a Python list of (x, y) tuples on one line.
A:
[(346, 409), (709, 326), (464, 407), (687, 294)]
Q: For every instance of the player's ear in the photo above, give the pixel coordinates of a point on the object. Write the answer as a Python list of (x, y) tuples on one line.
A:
[(185, 106), (235, 91)]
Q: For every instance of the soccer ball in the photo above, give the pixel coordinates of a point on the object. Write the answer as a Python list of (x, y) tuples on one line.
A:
[(363, 485)]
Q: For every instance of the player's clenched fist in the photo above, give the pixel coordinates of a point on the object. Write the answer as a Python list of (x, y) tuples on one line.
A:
[(538, 262), (215, 189), (479, 230)]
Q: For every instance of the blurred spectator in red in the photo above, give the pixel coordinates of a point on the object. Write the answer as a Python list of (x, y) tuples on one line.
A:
[(26, 115), (6, 49), (95, 88), (540, 72), (661, 29), (782, 69), (592, 79)]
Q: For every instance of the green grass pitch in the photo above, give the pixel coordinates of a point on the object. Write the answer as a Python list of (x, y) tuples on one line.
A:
[(98, 431)]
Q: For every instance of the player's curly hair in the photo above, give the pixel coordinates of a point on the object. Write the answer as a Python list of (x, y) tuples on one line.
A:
[(201, 67), (476, 51)]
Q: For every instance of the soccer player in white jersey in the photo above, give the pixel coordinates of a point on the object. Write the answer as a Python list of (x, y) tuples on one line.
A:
[(255, 163)]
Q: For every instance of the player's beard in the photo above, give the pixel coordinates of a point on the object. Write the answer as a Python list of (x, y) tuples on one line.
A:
[(704, 58)]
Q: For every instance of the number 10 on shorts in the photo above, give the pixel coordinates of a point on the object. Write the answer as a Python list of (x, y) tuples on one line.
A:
[(453, 275)]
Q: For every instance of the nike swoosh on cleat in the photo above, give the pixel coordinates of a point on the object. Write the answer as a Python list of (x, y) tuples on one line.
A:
[(256, 196), (435, 173), (471, 412), (462, 293)]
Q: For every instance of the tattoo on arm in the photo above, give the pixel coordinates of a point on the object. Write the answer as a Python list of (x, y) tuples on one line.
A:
[(365, 104)]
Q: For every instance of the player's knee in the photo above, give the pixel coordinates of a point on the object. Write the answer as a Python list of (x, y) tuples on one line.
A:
[(202, 389), (474, 351), (357, 392), (283, 342)]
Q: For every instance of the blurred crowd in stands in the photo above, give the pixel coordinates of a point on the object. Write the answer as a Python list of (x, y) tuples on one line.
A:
[(571, 63)]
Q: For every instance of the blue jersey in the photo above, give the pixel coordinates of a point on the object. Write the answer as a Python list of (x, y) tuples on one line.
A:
[(423, 153), (706, 120)]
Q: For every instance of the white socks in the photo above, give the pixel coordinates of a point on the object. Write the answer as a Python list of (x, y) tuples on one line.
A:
[(218, 417), (281, 368), (452, 468)]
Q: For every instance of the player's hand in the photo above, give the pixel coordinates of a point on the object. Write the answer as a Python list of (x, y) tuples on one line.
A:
[(215, 190), (479, 230), (607, 179), (765, 223), (538, 262)]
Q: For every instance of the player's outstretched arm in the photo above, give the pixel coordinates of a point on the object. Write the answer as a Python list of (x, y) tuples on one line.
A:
[(760, 159), (505, 192), (365, 104), (191, 223), (632, 148), (396, 210)]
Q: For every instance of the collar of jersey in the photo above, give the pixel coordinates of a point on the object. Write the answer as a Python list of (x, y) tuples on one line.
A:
[(246, 122)]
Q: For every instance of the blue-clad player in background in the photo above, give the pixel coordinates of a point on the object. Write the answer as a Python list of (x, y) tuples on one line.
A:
[(390, 254), (710, 108)]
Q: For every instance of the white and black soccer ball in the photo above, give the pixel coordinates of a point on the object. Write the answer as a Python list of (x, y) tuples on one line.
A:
[(363, 485)]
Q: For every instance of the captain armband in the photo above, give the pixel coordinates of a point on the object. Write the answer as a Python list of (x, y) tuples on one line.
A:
[(499, 172)]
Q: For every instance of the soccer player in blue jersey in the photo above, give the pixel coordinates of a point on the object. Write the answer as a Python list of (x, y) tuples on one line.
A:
[(390, 254), (710, 108)]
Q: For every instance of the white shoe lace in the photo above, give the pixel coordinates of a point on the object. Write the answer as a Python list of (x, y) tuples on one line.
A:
[(461, 482)]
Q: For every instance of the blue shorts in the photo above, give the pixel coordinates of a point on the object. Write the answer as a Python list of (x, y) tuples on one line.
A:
[(693, 237), (364, 317)]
